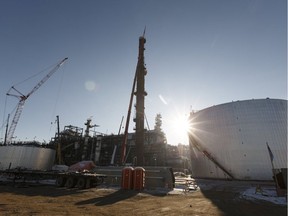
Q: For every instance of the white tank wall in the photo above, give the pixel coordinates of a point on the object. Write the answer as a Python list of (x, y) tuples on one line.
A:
[(235, 134), (27, 157)]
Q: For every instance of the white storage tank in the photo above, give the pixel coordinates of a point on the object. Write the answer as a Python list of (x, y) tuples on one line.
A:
[(230, 140), (29, 157)]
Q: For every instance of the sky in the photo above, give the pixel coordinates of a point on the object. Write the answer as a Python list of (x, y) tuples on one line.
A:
[(199, 53)]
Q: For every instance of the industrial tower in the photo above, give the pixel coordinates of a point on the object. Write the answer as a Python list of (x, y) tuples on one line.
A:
[(140, 95)]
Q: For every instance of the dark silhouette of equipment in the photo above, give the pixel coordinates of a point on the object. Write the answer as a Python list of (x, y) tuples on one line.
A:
[(139, 80)]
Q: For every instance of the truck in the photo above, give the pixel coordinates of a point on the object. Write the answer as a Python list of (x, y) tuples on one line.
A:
[(68, 179)]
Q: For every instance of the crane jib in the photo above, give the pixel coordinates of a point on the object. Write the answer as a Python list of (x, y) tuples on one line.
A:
[(23, 98)]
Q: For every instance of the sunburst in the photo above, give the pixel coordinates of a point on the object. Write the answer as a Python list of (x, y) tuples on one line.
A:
[(181, 126)]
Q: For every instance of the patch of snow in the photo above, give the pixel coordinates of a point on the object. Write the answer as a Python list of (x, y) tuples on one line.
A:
[(208, 185), (176, 191), (267, 194)]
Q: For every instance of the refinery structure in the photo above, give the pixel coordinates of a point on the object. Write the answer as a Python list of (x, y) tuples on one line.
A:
[(243, 140), (143, 147)]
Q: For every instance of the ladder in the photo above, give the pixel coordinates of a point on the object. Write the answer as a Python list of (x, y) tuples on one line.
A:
[(199, 147)]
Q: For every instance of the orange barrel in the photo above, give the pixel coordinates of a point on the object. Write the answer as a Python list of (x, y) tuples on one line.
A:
[(127, 178), (139, 178)]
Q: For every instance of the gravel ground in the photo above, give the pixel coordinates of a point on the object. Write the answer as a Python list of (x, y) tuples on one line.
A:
[(211, 198)]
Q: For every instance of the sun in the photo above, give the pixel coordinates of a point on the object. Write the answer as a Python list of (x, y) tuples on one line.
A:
[(182, 124), (181, 127)]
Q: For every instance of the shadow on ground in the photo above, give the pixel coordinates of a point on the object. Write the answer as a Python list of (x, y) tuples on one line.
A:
[(117, 196), (225, 195), (38, 190), (112, 198)]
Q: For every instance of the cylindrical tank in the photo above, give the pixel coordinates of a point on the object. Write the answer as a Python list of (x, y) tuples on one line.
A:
[(29, 157), (236, 135)]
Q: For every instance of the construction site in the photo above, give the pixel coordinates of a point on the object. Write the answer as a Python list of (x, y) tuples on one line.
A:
[(141, 165), (142, 148)]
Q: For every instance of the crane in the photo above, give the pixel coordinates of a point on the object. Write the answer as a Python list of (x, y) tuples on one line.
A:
[(22, 98)]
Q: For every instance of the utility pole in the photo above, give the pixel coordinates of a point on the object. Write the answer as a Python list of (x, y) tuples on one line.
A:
[(59, 153)]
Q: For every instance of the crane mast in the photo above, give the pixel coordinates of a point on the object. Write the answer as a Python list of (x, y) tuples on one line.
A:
[(22, 99)]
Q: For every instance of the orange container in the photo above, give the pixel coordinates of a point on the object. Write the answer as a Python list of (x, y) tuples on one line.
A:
[(139, 178), (127, 178)]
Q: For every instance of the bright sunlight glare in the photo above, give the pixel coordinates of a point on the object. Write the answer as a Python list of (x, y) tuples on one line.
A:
[(180, 126)]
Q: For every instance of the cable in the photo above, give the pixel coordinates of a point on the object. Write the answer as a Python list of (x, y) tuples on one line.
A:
[(57, 97), (147, 122), (32, 76)]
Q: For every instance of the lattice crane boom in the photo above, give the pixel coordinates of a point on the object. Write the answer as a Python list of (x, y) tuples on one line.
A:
[(46, 77), (23, 98)]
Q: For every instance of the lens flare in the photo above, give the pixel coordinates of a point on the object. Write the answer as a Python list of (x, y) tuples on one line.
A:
[(90, 85), (181, 126)]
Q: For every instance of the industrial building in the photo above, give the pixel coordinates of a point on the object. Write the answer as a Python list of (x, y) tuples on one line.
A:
[(105, 150), (244, 140)]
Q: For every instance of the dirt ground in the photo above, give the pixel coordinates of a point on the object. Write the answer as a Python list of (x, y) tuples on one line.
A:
[(49, 200)]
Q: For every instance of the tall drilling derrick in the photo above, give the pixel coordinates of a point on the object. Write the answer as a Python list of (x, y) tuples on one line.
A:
[(140, 95)]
